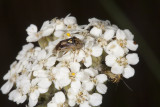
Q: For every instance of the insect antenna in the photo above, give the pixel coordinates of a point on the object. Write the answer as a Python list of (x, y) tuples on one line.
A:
[(127, 85)]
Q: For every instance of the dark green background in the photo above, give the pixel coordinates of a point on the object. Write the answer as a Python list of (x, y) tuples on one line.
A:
[(142, 17)]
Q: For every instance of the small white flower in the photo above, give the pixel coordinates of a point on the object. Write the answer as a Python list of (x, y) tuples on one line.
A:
[(98, 23), (125, 40), (32, 33), (82, 98), (58, 100), (61, 77), (91, 49), (114, 49), (21, 80), (46, 29), (17, 97), (38, 86), (23, 52), (11, 76), (94, 80), (120, 65)]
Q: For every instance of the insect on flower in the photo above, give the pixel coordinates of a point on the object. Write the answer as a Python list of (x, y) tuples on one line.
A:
[(69, 44), (113, 77)]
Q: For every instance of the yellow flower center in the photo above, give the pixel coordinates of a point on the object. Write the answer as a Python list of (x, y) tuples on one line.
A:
[(68, 34), (73, 74)]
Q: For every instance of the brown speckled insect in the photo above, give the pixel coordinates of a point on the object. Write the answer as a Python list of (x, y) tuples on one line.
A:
[(116, 78), (69, 44), (113, 77)]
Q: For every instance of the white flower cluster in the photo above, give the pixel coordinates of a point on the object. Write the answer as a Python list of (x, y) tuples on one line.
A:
[(77, 75)]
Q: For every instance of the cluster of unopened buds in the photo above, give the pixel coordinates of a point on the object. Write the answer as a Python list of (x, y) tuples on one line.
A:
[(72, 63)]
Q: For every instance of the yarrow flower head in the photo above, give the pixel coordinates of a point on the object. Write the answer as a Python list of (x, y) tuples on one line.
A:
[(72, 63)]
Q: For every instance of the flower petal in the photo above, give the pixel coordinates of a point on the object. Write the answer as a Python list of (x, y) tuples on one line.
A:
[(60, 26), (96, 31), (44, 83), (41, 55), (59, 97), (130, 45), (97, 51), (132, 59), (40, 73), (85, 104), (50, 61), (76, 85), (91, 72), (117, 69), (110, 60), (34, 95), (95, 99), (70, 20), (128, 72), (52, 104), (32, 33), (88, 86), (101, 78), (101, 88), (47, 31), (114, 49), (129, 35), (120, 35), (7, 87), (80, 56), (32, 102), (58, 33), (109, 33), (42, 90), (71, 102), (74, 66), (88, 61)]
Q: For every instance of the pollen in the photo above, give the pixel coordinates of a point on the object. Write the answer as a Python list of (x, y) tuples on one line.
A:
[(73, 74), (68, 34)]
